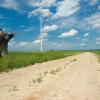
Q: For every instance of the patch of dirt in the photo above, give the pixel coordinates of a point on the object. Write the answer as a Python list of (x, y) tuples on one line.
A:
[(31, 98), (72, 78)]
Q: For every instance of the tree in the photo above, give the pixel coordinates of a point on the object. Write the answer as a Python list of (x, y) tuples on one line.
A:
[(4, 39)]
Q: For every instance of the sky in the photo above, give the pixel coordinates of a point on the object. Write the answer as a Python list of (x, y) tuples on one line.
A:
[(66, 24)]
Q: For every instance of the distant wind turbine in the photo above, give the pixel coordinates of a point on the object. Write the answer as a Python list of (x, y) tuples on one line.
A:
[(41, 33)]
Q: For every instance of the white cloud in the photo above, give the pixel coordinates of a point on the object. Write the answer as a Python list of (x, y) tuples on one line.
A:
[(3, 17), (93, 2), (24, 44), (35, 45), (43, 12), (42, 3), (71, 33), (85, 40), (42, 7), (44, 35), (64, 8), (98, 40), (66, 22), (29, 29), (86, 34), (99, 7), (67, 8), (37, 41), (58, 45), (21, 44), (33, 13), (93, 21), (83, 44), (10, 4), (47, 29), (78, 38)]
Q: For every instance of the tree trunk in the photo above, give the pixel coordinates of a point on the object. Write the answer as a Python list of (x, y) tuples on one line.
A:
[(0, 54), (5, 50)]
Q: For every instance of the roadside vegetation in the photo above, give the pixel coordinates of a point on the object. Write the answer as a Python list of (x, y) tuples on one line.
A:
[(22, 59), (97, 52)]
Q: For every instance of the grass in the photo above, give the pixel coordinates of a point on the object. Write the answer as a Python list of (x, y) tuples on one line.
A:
[(38, 80), (97, 52), (22, 59)]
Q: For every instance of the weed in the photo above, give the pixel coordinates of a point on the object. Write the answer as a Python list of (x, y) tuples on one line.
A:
[(39, 79), (34, 80), (53, 72), (74, 60), (58, 69), (45, 73), (14, 88)]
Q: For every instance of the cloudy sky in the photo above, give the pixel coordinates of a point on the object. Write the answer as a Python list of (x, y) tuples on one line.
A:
[(67, 24)]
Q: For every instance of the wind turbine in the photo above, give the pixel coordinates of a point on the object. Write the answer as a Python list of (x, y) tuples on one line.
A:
[(41, 33)]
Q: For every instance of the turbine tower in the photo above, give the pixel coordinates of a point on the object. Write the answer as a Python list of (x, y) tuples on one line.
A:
[(41, 33)]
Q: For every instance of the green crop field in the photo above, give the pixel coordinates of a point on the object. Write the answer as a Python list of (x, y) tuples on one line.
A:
[(23, 59)]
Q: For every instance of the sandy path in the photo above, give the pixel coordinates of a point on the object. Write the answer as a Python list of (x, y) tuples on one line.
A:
[(73, 78)]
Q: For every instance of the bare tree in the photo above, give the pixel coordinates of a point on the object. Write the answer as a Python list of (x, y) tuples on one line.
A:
[(4, 39)]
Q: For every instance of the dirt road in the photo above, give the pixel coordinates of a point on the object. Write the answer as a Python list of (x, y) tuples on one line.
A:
[(73, 78)]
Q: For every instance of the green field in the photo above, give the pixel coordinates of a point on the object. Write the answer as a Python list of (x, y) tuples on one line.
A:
[(23, 59)]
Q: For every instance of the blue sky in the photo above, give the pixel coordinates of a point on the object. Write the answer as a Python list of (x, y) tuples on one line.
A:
[(67, 24)]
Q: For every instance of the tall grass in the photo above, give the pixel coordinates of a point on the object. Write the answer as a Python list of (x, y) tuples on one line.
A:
[(22, 59)]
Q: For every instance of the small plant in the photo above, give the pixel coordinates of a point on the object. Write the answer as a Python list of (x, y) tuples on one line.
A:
[(58, 69), (74, 60), (14, 88), (64, 67), (45, 73), (39, 79), (33, 80), (53, 72)]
